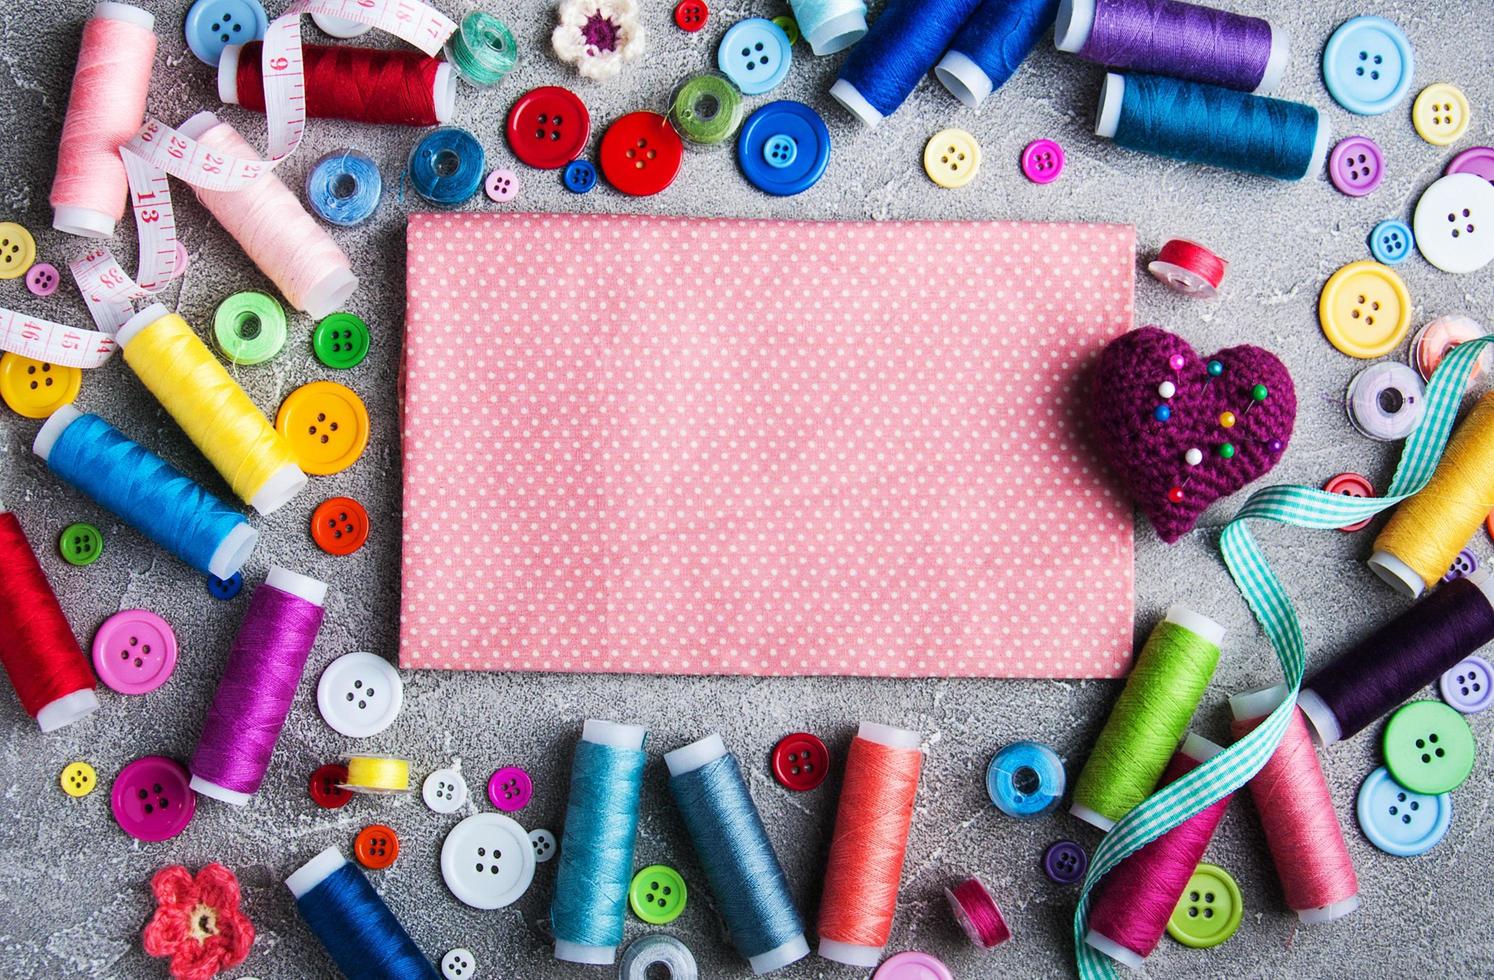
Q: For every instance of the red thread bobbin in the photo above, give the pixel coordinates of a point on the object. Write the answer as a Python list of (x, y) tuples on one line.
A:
[(1189, 268)]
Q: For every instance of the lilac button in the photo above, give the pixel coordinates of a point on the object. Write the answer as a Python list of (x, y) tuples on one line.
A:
[(134, 651), (1065, 862), (42, 279), (1469, 686), (510, 788), (1476, 160), (913, 966), (1042, 161), (151, 798), (1463, 566), (503, 186), (1356, 166)]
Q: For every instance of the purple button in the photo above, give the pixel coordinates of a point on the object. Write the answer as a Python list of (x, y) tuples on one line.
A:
[(503, 186), (913, 966), (1476, 160), (151, 798), (134, 651), (510, 788), (1042, 161), (1065, 862), (42, 279), (1469, 686), (1356, 166), (1463, 566)]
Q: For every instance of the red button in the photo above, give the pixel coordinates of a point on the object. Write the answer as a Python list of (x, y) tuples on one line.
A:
[(1351, 485), (339, 526), (326, 786), (690, 15), (548, 127), (376, 846), (641, 154), (800, 761)]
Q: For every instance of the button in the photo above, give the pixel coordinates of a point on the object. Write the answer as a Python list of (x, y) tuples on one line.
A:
[(1440, 114), (789, 26), (580, 176), (1356, 166), (951, 157), (1463, 566), (339, 27), (1367, 65), (339, 526), (502, 186), (641, 154), (780, 151), (1385, 401), (1433, 342), (487, 861), (1398, 821), (1428, 747), (800, 761), (1209, 911), (249, 327), (80, 544), (1454, 223), (510, 788), (134, 651), (755, 54), (17, 250), (544, 845), (326, 786), (376, 846), (690, 15), (913, 965), (42, 279), (548, 127), (1365, 308), (326, 426), (1476, 160), (1042, 161), (36, 389), (657, 894), (1390, 241), (444, 791), (1468, 686), (213, 25), (1065, 862), (151, 799), (359, 694), (797, 122), (224, 589), (340, 341), (459, 964), (1351, 485), (78, 779)]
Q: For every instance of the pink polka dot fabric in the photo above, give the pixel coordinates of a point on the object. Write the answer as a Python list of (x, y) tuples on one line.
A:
[(701, 446)]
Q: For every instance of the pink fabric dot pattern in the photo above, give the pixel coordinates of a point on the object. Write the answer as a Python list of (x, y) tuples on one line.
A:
[(702, 446)]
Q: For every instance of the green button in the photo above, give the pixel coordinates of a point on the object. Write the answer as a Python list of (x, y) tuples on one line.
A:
[(790, 27), (1209, 911), (81, 544), (1429, 747), (249, 328), (657, 895), (341, 341)]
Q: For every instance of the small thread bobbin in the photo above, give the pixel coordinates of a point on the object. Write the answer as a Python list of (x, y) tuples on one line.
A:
[(1186, 267), (377, 775), (977, 913)]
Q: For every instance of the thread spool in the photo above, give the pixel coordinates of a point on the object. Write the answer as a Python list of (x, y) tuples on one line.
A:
[(257, 686), (352, 922), (211, 408), (1149, 717), (830, 25), (1426, 532), (482, 49), (377, 775), (746, 879), (1181, 40), (52, 679), (706, 109), (344, 187), (1437, 339), (900, 48), (105, 108), (1134, 901), (977, 914), (992, 45), (367, 85), (649, 954), (868, 845), (590, 905), (273, 229), (1183, 120), (249, 327), (1297, 814), (446, 166), (1411, 651), (1189, 268), (145, 491), (1025, 780)]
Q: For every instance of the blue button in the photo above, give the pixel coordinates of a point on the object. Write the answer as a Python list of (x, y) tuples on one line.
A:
[(1025, 780), (780, 151), (774, 124), (213, 25), (1398, 821), (1391, 241), (1367, 65), (225, 588), (580, 176), (755, 55)]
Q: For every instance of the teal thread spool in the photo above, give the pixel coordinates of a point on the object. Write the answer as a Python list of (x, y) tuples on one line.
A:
[(482, 49), (830, 25)]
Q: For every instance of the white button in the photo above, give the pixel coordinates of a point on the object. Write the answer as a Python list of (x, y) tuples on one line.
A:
[(359, 695), (342, 27), (544, 845), (459, 964), (444, 791), (1454, 223), (487, 861)]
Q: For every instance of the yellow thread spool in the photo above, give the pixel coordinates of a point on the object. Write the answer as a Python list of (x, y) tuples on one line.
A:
[(1426, 533), (377, 774), (211, 408)]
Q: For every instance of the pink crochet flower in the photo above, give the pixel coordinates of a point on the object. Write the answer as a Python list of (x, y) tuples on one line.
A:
[(197, 922)]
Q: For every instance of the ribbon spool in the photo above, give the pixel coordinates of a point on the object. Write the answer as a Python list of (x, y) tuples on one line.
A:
[(343, 188), (482, 49), (1189, 268), (446, 166), (354, 925), (977, 913), (377, 775), (706, 109)]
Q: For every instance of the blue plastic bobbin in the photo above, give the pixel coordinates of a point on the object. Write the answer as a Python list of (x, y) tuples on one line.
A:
[(784, 148), (1025, 780)]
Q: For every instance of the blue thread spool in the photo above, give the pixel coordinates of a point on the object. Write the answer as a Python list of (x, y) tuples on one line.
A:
[(596, 853), (353, 923), (145, 491), (1186, 120), (901, 47), (992, 45), (745, 877), (446, 166), (1025, 780), (830, 25), (343, 187)]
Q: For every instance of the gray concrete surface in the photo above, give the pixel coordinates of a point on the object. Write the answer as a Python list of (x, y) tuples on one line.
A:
[(73, 888)]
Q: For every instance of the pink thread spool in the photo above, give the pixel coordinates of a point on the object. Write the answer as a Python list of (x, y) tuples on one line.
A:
[(106, 107), (1307, 844), (977, 913)]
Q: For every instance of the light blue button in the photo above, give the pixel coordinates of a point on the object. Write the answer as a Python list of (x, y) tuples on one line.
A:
[(780, 151), (1398, 821), (1391, 242), (1368, 65), (755, 55), (213, 25)]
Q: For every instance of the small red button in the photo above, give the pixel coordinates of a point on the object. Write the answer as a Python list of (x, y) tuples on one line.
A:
[(1351, 485), (548, 127), (690, 15), (339, 526), (326, 786), (376, 846), (641, 154), (800, 761)]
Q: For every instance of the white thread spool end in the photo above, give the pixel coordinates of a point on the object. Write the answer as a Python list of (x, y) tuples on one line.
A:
[(312, 590), (1195, 623), (315, 871), (1076, 19), (1321, 723), (888, 735), (1199, 749), (207, 787), (52, 430), (1320, 146), (964, 79), (837, 33), (1397, 574), (1113, 949), (444, 92), (67, 709), (775, 959), (855, 103), (1276, 62), (1091, 817), (1337, 910), (228, 74), (1112, 93), (330, 293), (1256, 704)]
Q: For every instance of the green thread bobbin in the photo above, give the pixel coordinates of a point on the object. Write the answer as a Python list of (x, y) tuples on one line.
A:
[(482, 49), (706, 109), (249, 327)]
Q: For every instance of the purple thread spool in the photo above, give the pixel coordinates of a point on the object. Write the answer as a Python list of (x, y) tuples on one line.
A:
[(1168, 37), (258, 684)]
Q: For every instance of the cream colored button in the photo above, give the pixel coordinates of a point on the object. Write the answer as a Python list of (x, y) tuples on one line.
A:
[(951, 158), (1440, 114)]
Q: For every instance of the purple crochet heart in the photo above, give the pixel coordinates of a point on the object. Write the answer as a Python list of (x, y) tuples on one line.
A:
[(1171, 446)]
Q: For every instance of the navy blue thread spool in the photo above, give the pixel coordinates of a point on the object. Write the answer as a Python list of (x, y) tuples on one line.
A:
[(446, 166), (992, 45), (902, 46), (344, 187), (354, 925)]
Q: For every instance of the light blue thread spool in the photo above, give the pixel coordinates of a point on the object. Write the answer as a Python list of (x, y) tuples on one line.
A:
[(899, 50), (343, 187), (1025, 780), (830, 25), (353, 923), (446, 166), (992, 45)]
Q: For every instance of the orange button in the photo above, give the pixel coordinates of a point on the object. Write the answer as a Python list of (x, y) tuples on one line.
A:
[(326, 426), (339, 526), (376, 846)]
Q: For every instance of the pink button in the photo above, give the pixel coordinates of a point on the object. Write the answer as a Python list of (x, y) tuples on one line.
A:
[(503, 186), (134, 651), (1356, 166), (1476, 160), (151, 798), (1042, 161), (510, 788), (913, 966), (42, 279)]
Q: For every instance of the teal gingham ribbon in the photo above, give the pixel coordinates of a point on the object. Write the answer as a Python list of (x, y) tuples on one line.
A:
[(1297, 507)]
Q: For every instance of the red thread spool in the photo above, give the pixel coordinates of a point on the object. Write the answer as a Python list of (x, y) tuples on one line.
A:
[(369, 85), (978, 914), (1187, 267), (53, 680)]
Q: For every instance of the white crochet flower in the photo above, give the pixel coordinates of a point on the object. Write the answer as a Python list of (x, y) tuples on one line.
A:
[(597, 36)]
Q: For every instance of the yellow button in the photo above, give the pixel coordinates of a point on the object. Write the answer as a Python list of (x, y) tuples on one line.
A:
[(78, 779), (326, 426), (36, 389), (951, 158), (18, 250), (1440, 114), (1365, 309)]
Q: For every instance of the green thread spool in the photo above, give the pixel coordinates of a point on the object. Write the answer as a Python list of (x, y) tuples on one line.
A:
[(482, 49), (706, 109), (249, 327), (1149, 717)]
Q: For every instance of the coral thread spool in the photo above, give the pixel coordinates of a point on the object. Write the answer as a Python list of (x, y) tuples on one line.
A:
[(354, 925), (367, 85)]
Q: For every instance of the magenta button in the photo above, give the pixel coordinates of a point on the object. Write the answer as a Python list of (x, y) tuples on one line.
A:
[(1042, 161), (151, 799), (913, 966), (510, 788), (42, 279), (1476, 160), (1356, 166), (134, 651)]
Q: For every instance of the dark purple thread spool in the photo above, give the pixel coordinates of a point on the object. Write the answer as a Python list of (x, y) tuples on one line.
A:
[(1183, 40), (1399, 659)]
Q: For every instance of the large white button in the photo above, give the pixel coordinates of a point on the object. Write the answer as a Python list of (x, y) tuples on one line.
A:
[(459, 964), (359, 694), (1454, 223), (444, 791), (487, 861)]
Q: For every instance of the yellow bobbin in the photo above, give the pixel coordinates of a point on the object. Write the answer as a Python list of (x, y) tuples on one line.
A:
[(377, 774)]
